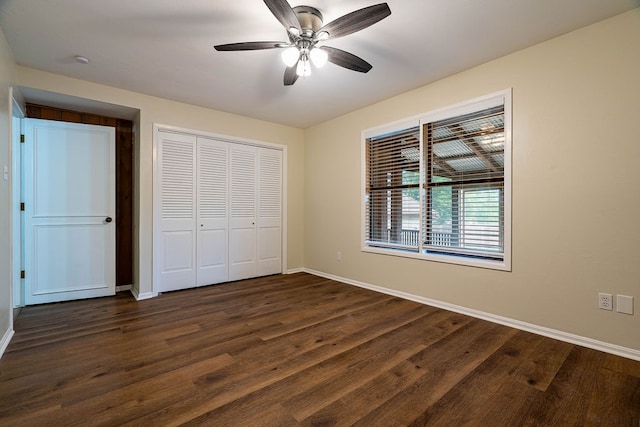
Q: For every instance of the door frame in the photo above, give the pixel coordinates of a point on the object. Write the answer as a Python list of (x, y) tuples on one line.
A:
[(157, 129), (125, 131), (15, 197)]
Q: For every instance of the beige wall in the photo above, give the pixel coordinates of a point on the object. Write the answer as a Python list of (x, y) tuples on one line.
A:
[(576, 190), (7, 76), (162, 111)]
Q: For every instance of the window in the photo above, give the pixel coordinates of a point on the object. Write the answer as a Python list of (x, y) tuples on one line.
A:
[(393, 189), (438, 188)]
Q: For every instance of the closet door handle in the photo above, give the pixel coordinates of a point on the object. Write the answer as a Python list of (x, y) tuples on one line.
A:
[(108, 219)]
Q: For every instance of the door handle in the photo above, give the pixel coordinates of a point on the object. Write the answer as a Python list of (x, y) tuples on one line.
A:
[(108, 219)]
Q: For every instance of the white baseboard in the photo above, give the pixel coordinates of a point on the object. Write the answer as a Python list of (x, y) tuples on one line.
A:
[(4, 343), (296, 270), (143, 296), (629, 353)]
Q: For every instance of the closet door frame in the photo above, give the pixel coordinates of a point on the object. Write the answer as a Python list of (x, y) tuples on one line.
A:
[(158, 131)]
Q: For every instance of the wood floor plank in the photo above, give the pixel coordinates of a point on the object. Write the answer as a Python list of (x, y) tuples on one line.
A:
[(274, 360), (298, 349), (354, 405), (622, 365), (467, 401), (542, 365), (310, 318), (614, 398), (569, 393), (319, 384), (448, 361), (361, 366), (505, 406), (130, 401)]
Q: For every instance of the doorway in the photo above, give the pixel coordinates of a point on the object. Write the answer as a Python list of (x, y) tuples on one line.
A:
[(124, 177), (69, 205), (124, 136)]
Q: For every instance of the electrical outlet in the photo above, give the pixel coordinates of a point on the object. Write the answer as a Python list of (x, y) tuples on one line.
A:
[(339, 256), (624, 304), (605, 301)]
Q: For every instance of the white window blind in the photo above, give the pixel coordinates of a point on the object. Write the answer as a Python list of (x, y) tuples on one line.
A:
[(393, 190), (464, 203)]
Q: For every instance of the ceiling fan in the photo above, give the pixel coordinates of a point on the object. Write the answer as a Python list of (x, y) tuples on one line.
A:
[(305, 31)]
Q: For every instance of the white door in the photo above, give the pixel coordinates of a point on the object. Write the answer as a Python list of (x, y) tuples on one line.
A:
[(269, 212), (242, 223), (176, 250), (69, 177), (212, 200)]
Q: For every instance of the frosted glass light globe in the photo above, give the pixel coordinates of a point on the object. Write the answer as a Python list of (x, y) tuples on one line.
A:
[(319, 57), (304, 68), (290, 56)]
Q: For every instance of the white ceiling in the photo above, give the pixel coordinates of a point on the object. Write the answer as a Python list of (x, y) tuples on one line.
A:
[(165, 47)]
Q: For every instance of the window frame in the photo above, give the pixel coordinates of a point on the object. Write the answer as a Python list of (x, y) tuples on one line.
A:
[(494, 99)]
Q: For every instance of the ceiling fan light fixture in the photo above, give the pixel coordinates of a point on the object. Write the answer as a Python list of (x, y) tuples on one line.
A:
[(322, 35), (290, 56), (294, 31), (306, 31), (304, 67), (318, 56)]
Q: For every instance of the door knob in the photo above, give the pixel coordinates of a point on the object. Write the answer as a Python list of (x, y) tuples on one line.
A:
[(108, 219)]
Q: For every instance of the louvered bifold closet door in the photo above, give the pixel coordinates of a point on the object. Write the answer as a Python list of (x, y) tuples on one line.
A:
[(213, 218), (242, 223), (177, 245), (269, 212)]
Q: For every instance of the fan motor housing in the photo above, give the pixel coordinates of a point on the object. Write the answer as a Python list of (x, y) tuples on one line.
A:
[(309, 17)]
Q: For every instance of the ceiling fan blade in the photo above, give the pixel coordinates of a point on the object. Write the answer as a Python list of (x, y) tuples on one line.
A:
[(283, 13), (347, 60), (290, 75), (249, 46), (356, 21)]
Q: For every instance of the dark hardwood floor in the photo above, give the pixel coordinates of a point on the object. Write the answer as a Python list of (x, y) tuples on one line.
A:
[(298, 350)]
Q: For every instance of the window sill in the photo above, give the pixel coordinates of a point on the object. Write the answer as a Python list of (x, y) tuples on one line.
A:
[(502, 265)]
